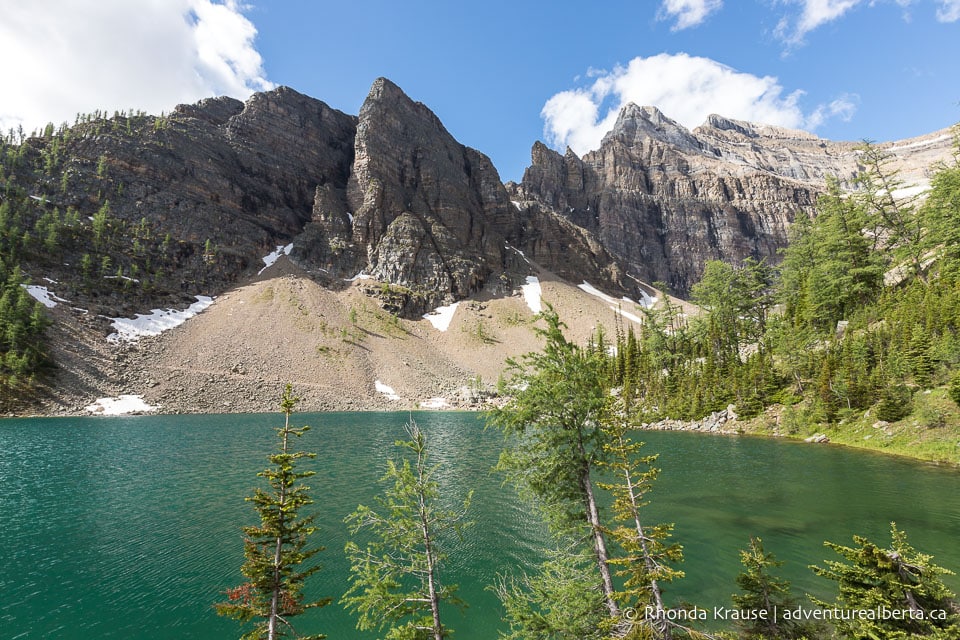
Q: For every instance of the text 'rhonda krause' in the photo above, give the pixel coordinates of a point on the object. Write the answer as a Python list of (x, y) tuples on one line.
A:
[(794, 613)]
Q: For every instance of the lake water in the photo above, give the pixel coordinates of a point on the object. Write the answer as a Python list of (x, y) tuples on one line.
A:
[(130, 527)]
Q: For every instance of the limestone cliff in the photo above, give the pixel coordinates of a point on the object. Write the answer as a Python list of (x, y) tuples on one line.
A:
[(666, 200), (391, 194), (425, 213)]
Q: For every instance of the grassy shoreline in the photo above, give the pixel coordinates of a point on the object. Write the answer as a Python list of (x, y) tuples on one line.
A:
[(930, 433)]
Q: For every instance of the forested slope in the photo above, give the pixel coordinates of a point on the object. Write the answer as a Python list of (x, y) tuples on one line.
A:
[(854, 334)]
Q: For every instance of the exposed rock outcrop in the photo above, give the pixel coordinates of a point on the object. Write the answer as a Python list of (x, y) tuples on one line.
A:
[(392, 194), (425, 213), (242, 176), (197, 197), (666, 200), (419, 210)]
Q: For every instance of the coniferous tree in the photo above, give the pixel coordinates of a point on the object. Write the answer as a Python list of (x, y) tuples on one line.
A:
[(554, 421), (645, 563), (955, 389), (896, 401), (559, 601), (395, 577), (276, 549), (940, 214), (763, 595), (920, 357), (900, 582), (894, 218)]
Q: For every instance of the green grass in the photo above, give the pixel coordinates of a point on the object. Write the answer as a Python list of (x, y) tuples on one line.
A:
[(930, 432)]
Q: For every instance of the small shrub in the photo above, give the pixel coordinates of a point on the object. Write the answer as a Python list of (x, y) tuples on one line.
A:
[(895, 403), (954, 391), (479, 331)]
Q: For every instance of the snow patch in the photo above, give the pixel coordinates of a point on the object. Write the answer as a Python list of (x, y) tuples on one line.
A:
[(520, 253), (43, 295), (385, 390), (592, 290), (532, 293), (615, 305), (155, 322), (359, 276), (270, 258), (435, 403), (119, 405), (646, 300), (627, 315), (441, 317)]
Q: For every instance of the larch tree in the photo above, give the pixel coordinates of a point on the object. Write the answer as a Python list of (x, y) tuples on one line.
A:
[(558, 601), (553, 422), (276, 549), (395, 576), (762, 595), (648, 555), (900, 583)]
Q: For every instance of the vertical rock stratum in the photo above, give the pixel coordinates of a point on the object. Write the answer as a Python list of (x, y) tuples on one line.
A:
[(665, 199)]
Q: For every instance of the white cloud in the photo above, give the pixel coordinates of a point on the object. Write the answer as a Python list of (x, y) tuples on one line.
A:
[(843, 107), (949, 11), (688, 13), (69, 56), (814, 14), (687, 89)]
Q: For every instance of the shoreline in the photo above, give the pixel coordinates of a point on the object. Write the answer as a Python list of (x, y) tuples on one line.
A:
[(717, 423)]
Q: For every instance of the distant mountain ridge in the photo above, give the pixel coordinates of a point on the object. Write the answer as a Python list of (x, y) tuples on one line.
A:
[(123, 214), (665, 199), (391, 194)]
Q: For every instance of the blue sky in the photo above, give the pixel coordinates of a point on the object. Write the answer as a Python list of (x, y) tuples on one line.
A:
[(500, 74)]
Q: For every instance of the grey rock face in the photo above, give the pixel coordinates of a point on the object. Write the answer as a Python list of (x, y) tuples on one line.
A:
[(665, 200), (425, 213), (243, 175), (392, 194)]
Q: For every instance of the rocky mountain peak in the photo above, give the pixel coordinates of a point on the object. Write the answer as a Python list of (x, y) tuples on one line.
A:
[(717, 126), (636, 123), (665, 199), (387, 99), (214, 111), (385, 89), (429, 215), (728, 124)]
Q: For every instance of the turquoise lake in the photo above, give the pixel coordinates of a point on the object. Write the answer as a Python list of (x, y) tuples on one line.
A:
[(130, 527)]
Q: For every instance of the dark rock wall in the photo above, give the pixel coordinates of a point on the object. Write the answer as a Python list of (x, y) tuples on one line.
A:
[(663, 201), (391, 193)]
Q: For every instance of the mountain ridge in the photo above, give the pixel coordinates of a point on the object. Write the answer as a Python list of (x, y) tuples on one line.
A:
[(665, 199), (387, 205)]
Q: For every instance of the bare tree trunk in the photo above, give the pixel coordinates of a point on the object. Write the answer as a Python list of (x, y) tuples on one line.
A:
[(662, 627), (278, 551), (600, 546), (275, 599), (432, 594), (596, 530)]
